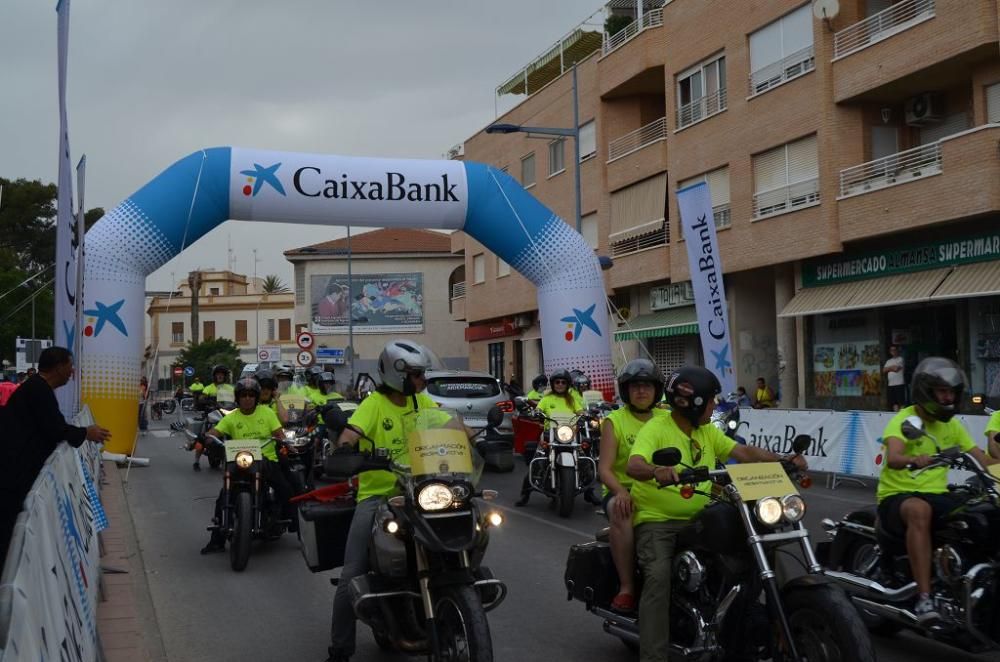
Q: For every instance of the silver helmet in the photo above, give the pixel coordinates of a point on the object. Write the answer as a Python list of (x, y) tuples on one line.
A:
[(399, 358)]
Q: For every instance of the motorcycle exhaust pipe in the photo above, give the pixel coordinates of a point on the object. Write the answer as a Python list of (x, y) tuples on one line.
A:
[(859, 587), (895, 614), (625, 634)]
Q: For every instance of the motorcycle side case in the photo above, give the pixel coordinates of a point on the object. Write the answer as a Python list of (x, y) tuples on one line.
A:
[(323, 531), (590, 573)]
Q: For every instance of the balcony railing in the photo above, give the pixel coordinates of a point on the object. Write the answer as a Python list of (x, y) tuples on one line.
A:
[(890, 170), (798, 63), (636, 243), (787, 198), (722, 215), (893, 20), (458, 290), (636, 140), (699, 109), (650, 19)]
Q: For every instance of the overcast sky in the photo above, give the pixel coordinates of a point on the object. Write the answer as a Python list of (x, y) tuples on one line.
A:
[(151, 81)]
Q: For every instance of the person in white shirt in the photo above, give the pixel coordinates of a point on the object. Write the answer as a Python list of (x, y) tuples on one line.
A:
[(893, 370)]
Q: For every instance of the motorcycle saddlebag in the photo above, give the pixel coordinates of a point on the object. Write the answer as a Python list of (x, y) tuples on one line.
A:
[(590, 573), (323, 531), (499, 452)]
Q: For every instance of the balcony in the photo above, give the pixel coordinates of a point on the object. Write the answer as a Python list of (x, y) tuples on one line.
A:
[(878, 27), (791, 67), (636, 140), (966, 184), (892, 170), (639, 239), (701, 109), (786, 199), (651, 19)]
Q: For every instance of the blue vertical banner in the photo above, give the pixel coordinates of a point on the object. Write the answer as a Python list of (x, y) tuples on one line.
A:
[(698, 227), (67, 237)]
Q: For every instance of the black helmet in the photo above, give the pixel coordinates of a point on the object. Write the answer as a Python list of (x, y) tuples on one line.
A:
[(640, 370), (563, 375), (581, 382), (539, 383), (326, 377), (284, 370), (937, 372), (220, 368), (245, 385), (266, 379), (690, 389)]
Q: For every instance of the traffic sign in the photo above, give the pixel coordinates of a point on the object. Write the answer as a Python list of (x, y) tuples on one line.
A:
[(189, 371), (177, 371), (334, 355), (305, 340), (269, 353), (305, 358)]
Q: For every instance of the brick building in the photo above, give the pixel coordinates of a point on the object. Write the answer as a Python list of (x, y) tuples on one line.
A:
[(854, 170)]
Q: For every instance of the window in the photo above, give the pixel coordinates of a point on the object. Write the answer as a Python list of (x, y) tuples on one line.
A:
[(588, 140), (479, 268), (177, 332), (718, 187), (213, 291), (300, 283), (503, 269), (948, 126), (638, 215), (557, 156), (270, 330), (701, 92), (588, 228), (241, 331), (208, 330), (782, 50), (528, 170), (786, 178), (993, 103), (285, 329), (496, 360)]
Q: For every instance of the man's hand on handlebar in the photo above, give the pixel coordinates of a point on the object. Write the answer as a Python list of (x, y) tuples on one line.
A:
[(665, 475)]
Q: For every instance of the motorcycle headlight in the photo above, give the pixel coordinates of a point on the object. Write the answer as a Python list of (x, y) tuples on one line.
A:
[(768, 511), (793, 507), (244, 460), (732, 424), (564, 433), (289, 435), (435, 496), (594, 424)]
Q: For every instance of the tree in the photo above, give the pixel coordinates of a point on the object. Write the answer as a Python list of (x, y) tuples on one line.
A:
[(208, 354), (273, 285)]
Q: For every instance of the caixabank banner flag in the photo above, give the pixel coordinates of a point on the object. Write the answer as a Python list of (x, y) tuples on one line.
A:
[(377, 303), (698, 224)]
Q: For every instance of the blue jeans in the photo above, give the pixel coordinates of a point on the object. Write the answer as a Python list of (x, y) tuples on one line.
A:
[(343, 628)]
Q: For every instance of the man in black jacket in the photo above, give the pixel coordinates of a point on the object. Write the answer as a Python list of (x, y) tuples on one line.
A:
[(33, 427)]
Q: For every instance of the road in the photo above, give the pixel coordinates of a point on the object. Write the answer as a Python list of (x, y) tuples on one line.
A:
[(277, 609)]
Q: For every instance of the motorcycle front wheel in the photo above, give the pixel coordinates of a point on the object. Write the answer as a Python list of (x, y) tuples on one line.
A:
[(239, 548), (462, 629), (826, 627), (567, 490)]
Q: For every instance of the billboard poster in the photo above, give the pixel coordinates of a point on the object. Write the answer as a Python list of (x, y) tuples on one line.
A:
[(378, 303), (847, 369)]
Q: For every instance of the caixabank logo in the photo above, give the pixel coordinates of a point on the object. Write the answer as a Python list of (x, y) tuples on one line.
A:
[(259, 176), (578, 321), (390, 186)]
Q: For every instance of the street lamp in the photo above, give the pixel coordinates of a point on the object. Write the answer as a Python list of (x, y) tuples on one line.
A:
[(573, 133)]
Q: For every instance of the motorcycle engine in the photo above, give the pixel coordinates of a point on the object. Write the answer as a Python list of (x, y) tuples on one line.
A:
[(689, 571), (948, 564)]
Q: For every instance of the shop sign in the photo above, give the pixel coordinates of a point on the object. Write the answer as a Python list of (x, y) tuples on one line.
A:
[(673, 295), (981, 248), (491, 330)]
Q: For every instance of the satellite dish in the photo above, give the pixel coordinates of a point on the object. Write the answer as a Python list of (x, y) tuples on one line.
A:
[(825, 10)]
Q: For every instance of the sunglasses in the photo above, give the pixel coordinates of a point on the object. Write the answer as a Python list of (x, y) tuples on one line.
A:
[(696, 451), (419, 374)]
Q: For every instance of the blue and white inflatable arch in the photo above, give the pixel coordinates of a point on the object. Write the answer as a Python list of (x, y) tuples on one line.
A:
[(208, 187)]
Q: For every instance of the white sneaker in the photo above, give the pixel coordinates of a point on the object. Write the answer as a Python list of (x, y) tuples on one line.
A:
[(926, 611)]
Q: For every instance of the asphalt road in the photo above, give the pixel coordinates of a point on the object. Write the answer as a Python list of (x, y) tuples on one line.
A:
[(277, 609)]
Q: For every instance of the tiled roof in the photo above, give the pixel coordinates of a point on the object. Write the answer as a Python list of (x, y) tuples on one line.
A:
[(389, 240)]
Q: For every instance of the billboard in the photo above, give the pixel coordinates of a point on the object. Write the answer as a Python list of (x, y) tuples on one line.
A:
[(378, 303)]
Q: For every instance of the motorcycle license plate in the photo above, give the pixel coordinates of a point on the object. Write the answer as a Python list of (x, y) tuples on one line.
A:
[(252, 446), (757, 480)]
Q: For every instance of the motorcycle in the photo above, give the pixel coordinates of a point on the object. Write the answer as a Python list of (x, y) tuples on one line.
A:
[(563, 465), (325, 438), (724, 562), (250, 507), (427, 591), (296, 454), (872, 566), (197, 425), (726, 417)]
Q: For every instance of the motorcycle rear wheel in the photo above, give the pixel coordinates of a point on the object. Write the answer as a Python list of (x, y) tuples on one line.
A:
[(826, 627), (858, 560), (567, 490), (463, 631), (239, 548)]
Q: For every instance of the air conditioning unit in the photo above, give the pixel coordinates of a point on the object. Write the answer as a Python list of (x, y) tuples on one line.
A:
[(523, 321), (926, 108)]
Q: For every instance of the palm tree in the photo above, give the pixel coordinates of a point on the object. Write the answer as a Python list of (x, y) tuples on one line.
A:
[(273, 285)]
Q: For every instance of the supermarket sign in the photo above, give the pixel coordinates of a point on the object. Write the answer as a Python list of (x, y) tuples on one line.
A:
[(981, 248)]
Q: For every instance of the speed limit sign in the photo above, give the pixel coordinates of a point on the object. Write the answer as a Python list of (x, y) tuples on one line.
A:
[(305, 358), (304, 340)]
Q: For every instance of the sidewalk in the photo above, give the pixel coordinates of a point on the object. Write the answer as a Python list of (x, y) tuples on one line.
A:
[(126, 619)]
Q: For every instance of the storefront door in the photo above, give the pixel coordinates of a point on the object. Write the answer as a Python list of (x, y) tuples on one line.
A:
[(922, 331)]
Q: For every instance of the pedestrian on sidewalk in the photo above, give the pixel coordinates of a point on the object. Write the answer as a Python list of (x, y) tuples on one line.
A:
[(33, 428), (143, 397), (895, 378)]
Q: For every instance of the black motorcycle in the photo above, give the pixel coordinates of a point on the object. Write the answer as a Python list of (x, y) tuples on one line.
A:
[(197, 425), (726, 417), (872, 565), (724, 563), (427, 591), (300, 429), (564, 463)]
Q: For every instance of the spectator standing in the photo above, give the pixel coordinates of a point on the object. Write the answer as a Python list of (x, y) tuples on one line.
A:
[(894, 377), (143, 397), (7, 388)]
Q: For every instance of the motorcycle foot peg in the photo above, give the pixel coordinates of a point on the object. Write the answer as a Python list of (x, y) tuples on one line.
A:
[(335, 581)]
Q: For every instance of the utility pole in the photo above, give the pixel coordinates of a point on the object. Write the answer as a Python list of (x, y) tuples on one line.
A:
[(194, 282)]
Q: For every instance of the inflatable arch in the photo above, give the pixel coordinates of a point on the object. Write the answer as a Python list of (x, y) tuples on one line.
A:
[(207, 187)]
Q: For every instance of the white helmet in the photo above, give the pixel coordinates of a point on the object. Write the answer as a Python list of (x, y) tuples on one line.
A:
[(398, 358)]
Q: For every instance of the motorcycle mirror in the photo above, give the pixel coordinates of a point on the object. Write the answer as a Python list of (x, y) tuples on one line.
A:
[(494, 416), (667, 457), (913, 428), (801, 443)]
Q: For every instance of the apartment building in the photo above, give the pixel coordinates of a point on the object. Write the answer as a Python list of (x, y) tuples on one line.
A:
[(854, 170)]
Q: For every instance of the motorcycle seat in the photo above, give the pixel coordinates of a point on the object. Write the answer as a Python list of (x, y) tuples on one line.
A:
[(888, 540), (603, 535)]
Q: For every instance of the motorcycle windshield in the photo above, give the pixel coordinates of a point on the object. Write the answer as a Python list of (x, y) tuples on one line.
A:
[(438, 447), (294, 406)]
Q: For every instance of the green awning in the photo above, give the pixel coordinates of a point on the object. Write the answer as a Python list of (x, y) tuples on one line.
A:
[(674, 322)]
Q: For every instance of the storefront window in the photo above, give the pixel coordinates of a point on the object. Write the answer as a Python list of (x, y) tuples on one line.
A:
[(844, 362), (985, 336)]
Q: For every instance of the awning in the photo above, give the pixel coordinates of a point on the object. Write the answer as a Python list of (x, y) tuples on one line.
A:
[(674, 322), (970, 280), (873, 293)]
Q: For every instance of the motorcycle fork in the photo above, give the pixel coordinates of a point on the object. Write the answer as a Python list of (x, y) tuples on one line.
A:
[(427, 601)]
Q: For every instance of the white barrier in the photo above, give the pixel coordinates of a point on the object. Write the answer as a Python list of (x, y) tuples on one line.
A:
[(49, 586), (845, 442)]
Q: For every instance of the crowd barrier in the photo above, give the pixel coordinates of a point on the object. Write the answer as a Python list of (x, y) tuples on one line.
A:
[(846, 443), (50, 581)]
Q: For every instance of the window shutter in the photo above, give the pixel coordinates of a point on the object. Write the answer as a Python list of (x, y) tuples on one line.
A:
[(300, 282), (690, 182), (765, 46), (588, 139), (803, 163), (769, 170), (993, 103), (588, 227), (718, 184), (641, 204)]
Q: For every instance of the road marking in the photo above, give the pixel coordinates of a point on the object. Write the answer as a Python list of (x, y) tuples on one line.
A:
[(541, 520), (161, 434)]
